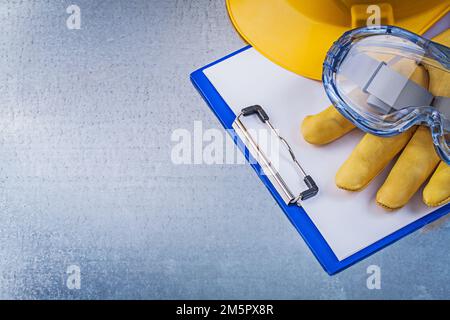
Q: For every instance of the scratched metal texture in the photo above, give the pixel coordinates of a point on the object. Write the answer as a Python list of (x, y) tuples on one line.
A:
[(86, 177)]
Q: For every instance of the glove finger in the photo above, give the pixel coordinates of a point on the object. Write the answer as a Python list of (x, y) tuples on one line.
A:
[(325, 127), (369, 158), (416, 163), (437, 191)]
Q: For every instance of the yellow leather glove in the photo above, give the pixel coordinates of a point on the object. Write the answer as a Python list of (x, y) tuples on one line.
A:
[(417, 162)]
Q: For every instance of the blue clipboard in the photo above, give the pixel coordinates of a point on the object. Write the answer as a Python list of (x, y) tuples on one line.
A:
[(295, 214)]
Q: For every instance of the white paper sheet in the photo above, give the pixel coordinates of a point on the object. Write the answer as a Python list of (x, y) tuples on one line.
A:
[(349, 221)]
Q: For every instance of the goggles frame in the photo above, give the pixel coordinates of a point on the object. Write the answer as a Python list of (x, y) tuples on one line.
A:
[(399, 120)]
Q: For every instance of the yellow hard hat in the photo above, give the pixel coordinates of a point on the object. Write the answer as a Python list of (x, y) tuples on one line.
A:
[(296, 34)]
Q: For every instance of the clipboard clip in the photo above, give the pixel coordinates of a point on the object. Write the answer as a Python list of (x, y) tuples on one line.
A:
[(274, 176)]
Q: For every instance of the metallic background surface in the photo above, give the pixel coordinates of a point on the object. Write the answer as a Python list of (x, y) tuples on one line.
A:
[(86, 176)]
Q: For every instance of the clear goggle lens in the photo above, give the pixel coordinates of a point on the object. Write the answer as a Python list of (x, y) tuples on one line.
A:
[(386, 80)]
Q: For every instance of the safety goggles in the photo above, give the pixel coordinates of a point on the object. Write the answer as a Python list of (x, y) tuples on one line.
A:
[(385, 80)]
